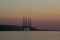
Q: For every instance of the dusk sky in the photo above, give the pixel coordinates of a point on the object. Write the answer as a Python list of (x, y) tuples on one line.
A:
[(44, 13)]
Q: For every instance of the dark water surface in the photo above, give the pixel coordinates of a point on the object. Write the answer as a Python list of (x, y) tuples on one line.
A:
[(29, 35)]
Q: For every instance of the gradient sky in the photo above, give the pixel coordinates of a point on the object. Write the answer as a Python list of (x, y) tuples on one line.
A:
[(44, 13)]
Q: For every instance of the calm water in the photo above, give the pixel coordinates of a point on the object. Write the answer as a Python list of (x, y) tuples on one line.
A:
[(34, 35)]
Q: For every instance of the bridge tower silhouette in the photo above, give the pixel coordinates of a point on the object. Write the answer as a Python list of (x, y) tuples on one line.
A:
[(26, 24)]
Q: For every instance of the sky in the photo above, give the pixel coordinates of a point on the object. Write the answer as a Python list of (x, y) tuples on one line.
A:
[(44, 13)]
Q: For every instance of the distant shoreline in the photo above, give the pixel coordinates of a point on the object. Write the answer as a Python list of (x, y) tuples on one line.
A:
[(20, 28)]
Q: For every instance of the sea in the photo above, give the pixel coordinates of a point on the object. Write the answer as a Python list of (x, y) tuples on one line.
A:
[(29, 35)]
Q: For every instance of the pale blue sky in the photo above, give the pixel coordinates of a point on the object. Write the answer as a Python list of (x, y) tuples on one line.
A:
[(22, 2), (29, 7)]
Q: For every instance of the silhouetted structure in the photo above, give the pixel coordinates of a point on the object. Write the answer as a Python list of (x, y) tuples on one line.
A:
[(26, 26)]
